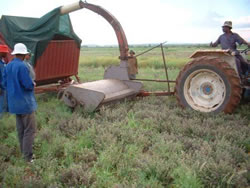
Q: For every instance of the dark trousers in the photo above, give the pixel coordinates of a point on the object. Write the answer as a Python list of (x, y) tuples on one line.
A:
[(26, 128), (242, 65)]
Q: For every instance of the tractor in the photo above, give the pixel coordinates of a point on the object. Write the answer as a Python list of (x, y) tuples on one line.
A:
[(210, 82)]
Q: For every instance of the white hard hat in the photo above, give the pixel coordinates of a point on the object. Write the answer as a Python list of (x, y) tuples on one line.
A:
[(20, 48)]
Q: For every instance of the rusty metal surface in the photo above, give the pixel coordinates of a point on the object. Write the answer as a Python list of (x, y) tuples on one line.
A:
[(120, 34), (199, 53), (155, 80), (59, 61), (51, 88), (156, 93)]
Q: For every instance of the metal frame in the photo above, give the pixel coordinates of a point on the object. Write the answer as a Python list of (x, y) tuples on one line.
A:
[(157, 93), (56, 87)]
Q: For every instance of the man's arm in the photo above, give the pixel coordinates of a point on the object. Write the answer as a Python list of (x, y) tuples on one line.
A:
[(25, 79), (215, 44), (241, 41), (246, 43)]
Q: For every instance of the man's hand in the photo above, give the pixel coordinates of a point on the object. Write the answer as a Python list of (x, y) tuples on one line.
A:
[(234, 53)]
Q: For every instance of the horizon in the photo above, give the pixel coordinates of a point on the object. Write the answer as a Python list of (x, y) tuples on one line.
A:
[(145, 44)]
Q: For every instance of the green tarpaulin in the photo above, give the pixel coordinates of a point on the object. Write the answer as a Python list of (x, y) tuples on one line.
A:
[(36, 33)]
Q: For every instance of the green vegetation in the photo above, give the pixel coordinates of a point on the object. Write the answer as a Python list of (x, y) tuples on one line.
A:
[(144, 142), (176, 56)]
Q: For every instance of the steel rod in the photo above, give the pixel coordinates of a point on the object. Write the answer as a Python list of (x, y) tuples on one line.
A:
[(156, 93), (150, 49), (165, 66), (152, 80)]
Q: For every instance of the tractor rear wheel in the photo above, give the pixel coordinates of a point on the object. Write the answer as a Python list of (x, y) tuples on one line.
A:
[(208, 84)]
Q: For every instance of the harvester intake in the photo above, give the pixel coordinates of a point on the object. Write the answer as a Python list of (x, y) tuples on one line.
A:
[(92, 95)]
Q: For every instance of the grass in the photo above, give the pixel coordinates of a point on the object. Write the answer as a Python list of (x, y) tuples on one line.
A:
[(146, 142), (105, 56)]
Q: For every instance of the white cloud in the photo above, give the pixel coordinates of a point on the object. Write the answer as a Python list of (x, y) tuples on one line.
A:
[(238, 22), (151, 23), (244, 33), (144, 21), (208, 20), (242, 22)]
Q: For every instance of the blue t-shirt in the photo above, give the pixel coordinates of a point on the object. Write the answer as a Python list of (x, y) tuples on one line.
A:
[(19, 87), (228, 41)]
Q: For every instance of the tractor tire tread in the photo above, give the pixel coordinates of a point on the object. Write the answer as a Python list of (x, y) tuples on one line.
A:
[(229, 72)]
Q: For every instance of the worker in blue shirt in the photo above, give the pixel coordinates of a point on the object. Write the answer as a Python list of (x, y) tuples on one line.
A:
[(21, 99), (3, 100), (228, 41)]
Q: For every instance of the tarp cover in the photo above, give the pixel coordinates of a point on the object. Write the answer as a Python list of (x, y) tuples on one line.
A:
[(36, 33)]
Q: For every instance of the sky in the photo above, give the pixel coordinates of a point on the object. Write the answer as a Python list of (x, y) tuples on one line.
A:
[(145, 21)]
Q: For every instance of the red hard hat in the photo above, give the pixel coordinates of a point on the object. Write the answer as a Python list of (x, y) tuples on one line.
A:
[(4, 48)]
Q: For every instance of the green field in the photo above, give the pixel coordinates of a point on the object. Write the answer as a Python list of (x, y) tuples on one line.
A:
[(144, 142), (176, 56)]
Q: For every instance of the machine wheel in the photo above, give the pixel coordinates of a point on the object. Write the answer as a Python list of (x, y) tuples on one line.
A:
[(208, 84)]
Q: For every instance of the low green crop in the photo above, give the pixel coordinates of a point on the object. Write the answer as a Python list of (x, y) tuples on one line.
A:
[(145, 142)]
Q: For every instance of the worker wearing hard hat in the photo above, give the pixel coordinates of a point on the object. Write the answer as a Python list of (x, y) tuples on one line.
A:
[(21, 99), (132, 65), (3, 100), (228, 41)]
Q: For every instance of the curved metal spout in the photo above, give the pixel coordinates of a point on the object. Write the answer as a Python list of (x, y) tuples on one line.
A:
[(120, 34)]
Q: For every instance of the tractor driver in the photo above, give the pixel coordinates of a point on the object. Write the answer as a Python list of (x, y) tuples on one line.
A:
[(227, 41)]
